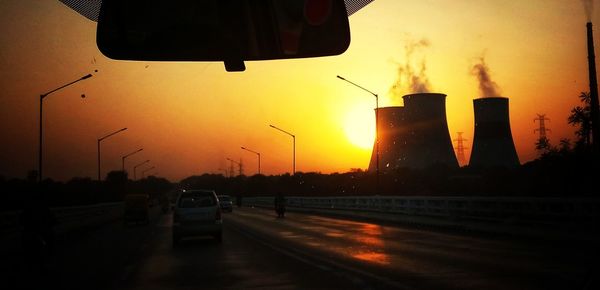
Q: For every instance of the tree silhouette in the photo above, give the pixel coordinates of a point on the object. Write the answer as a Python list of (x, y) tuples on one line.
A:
[(581, 117), (543, 145)]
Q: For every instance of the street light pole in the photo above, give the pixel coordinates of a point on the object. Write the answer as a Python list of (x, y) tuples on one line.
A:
[(41, 139), (100, 139), (249, 150), (124, 157), (136, 166), (144, 171), (376, 129), (294, 150)]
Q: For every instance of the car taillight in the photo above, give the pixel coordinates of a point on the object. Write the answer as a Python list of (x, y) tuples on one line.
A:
[(218, 214)]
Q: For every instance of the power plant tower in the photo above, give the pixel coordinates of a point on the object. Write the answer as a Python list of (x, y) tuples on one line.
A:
[(416, 135), (493, 144), (391, 128)]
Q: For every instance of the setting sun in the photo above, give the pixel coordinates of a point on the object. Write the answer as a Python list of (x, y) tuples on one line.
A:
[(359, 127)]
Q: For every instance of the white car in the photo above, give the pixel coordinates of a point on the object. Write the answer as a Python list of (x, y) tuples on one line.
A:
[(197, 213)]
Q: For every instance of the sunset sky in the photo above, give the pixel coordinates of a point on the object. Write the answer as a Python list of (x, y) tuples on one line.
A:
[(189, 117)]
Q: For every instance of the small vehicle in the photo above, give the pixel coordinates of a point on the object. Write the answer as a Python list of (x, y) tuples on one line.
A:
[(197, 213), (137, 209), (226, 203)]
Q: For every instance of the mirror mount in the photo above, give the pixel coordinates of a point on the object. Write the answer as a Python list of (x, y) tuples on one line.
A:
[(234, 65)]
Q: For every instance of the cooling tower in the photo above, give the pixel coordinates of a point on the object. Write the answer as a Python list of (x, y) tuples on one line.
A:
[(492, 142), (428, 139), (414, 136), (390, 127)]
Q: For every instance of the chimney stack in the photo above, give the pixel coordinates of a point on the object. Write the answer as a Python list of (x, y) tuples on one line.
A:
[(593, 89)]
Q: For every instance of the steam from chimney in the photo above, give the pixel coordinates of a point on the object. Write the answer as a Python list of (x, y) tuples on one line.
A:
[(487, 87), (409, 79), (588, 5)]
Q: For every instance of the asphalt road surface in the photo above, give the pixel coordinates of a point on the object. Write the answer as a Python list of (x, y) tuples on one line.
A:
[(301, 251)]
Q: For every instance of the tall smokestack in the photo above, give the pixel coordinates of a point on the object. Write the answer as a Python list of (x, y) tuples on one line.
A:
[(593, 89)]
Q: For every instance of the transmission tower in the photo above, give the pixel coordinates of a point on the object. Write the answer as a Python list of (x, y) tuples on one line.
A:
[(240, 166), (541, 118), (460, 148)]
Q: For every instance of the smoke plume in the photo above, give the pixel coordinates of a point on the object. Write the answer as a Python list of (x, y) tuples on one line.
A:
[(411, 79), (588, 6), (487, 87)]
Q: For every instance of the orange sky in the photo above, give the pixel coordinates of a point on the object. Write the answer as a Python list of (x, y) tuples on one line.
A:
[(189, 117)]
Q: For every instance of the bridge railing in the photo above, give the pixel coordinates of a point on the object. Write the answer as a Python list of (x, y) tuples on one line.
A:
[(486, 209)]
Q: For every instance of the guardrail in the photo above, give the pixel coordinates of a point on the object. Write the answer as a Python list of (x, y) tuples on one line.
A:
[(68, 218), (511, 210)]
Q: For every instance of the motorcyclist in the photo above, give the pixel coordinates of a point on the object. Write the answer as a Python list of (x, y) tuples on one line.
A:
[(280, 205)]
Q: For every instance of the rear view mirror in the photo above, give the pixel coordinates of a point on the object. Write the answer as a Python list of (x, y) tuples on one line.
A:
[(231, 31)]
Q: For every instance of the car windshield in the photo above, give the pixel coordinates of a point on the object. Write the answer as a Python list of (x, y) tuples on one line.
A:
[(453, 145)]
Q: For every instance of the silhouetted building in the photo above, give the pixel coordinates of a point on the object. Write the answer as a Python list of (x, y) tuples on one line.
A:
[(392, 136), (416, 135), (493, 144)]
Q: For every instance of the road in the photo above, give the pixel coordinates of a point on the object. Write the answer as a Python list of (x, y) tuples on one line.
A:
[(301, 251)]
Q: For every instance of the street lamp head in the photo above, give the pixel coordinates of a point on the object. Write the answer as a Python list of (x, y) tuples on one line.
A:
[(86, 76), (341, 78), (243, 147), (83, 96)]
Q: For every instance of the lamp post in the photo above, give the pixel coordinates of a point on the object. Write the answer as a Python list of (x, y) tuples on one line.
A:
[(41, 139), (136, 166), (376, 129), (100, 139), (144, 171), (250, 150), (294, 152), (125, 157)]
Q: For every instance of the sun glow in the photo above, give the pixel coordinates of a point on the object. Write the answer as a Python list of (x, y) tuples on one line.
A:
[(359, 127)]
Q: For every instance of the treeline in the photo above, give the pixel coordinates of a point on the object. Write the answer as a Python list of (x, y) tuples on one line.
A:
[(559, 172), (567, 174), (15, 193)]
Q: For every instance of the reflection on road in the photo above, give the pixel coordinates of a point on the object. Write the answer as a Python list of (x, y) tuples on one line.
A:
[(428, 259), (356, 240)]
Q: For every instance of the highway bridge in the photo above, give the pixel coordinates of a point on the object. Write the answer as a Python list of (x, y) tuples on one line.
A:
[(304, 250)]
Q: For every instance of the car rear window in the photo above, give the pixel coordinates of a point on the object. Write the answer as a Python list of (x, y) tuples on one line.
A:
[(197, 199)]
